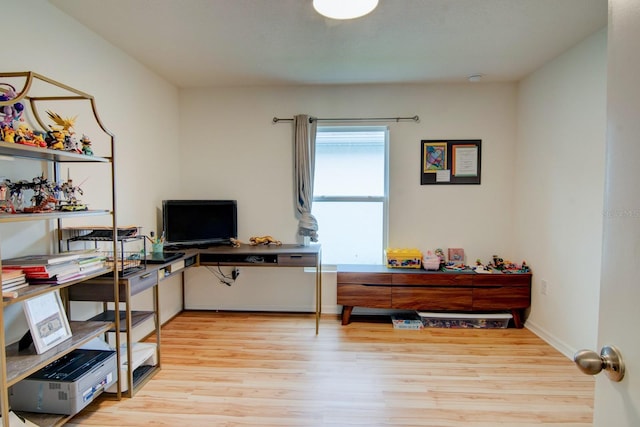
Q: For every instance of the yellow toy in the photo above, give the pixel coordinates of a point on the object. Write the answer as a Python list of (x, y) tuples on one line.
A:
[(264, 240), (8, 134), (64, 125)]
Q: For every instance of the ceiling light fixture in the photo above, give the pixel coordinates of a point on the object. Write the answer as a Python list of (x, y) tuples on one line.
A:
[(344, 9)]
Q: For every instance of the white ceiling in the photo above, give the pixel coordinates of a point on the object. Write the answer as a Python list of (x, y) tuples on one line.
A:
[(196, 43)]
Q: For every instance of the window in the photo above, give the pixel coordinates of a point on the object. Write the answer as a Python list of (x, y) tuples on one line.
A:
[(350, 193)]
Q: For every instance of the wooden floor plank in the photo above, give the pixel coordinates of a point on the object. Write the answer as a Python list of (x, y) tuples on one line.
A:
[(267, 369)]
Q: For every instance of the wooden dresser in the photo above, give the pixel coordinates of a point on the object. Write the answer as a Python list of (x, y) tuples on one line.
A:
[(375, 286)]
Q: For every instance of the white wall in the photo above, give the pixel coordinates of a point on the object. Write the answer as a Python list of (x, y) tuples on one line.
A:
[(231, 149), (548, 213), (140, 108), (558, 202)]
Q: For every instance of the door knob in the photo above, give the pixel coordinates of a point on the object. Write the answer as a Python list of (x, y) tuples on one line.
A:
[(609, 359)]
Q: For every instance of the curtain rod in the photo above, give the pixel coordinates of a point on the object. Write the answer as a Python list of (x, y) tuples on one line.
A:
[(364, 119)]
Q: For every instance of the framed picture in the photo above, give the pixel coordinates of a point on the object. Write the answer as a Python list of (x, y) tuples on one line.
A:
[(456, 255), (47, 321), (454, 161)]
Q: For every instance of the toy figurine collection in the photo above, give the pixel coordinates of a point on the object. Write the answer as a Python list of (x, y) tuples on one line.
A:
[(60, 136), (437, 261), (47, 196)]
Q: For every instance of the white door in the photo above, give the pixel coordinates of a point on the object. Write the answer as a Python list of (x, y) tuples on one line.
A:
[(618, 404)]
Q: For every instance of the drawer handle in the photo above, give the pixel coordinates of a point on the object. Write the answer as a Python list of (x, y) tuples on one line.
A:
[(144, 276)]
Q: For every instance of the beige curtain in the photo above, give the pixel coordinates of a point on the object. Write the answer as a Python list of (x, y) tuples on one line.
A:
[(304, 168)]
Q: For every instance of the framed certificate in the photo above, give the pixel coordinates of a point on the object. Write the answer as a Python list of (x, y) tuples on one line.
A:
[(454, 161), (47, 321)]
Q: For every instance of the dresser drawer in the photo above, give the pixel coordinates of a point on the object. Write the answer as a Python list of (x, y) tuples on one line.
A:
[(432, 279), (364, 278), (101, 289), (364, 295), (431, 298), (142, 282), (501, 298), (296, 260), (501, 279)]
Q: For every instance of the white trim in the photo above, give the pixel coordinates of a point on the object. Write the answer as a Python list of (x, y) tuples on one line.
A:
[(550, 339)]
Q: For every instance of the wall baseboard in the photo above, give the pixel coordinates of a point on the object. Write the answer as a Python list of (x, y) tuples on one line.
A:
[(550, 339), (329, 309)]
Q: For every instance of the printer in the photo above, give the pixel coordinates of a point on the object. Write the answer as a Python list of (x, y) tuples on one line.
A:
[(66, 385)]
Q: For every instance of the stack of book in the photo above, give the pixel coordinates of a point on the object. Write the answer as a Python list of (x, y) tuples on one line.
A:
[(12, 280), (47, 269), (91, 262)]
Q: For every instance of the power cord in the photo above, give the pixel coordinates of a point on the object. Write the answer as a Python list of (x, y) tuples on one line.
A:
[(223, 278)]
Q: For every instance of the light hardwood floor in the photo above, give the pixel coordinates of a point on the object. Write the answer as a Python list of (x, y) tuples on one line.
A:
[(239, 369)]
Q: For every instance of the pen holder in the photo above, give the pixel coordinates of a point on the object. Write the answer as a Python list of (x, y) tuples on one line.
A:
[(157, 248)]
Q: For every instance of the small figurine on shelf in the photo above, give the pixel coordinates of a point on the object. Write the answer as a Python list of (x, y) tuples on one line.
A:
[(63, 125), (56, 140), (498, 263), (24, 135), (440, 254), (264, 240), (480, 268), (86, 145), (10, 113), (38, 140), (71, 144), (7, 134), (72, 203), (62, 133)]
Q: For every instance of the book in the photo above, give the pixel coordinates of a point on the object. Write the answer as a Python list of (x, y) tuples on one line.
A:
[(48, 271), (92, 268), (14, 280), (10, 273), (39, 260), (456, 255), (15, 287), (56, 280)]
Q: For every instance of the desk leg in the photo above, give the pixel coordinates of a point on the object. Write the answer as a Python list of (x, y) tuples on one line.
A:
[(318, 294)]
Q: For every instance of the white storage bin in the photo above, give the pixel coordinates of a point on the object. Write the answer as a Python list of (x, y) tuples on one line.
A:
[(465, 320)]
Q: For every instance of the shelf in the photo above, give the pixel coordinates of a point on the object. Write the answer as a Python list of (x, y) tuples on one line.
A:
[(35, 290), (142, 375), (145, 365), (22, 364), (50, 215), (16, 365), (137, 317), (45, 420), (36, 153)]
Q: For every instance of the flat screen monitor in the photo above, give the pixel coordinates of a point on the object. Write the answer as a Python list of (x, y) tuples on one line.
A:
[(199, 222)]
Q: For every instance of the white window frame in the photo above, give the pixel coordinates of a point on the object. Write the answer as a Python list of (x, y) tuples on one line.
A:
[(376, 199)]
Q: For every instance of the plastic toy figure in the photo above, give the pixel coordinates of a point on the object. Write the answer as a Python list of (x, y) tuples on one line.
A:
[(86, 145), (264, 240), (38, 140), (10, 113), (64, 125), (8, 134), (440, 254), (72, 203), (24, 135), (57, 140)]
